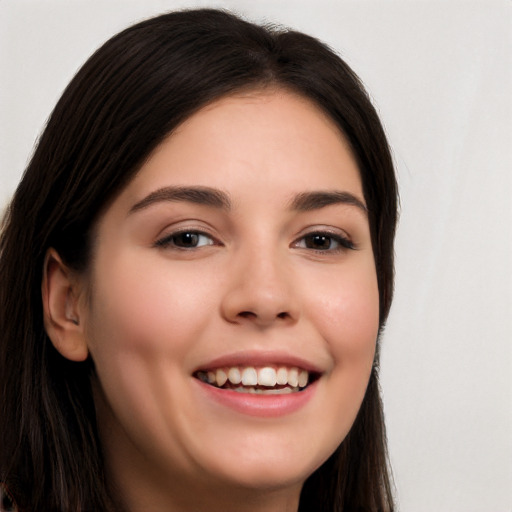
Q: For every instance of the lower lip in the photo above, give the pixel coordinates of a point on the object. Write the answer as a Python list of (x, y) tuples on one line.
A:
[(260, 405)]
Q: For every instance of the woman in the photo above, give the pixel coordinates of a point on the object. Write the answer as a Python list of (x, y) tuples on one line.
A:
[(206, 232)]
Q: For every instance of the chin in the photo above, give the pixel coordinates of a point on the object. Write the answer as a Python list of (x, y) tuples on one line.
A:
[(270, 472), (263, 480)]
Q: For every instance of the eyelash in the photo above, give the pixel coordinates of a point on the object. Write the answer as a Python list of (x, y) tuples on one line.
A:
[(169, 240), (343, 243)]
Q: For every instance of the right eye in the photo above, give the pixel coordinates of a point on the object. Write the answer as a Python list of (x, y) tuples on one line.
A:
[(185, 240)]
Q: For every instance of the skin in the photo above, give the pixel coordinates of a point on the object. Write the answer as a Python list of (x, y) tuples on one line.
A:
[(151, 314)]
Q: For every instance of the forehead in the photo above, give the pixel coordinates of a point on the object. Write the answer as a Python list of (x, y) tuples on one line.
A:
[(262, 141)]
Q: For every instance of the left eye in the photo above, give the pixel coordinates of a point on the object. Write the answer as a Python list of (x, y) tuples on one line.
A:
[(324, 242), (186, 240)]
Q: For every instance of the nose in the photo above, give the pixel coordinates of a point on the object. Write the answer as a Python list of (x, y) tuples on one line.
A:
[(260, 291)]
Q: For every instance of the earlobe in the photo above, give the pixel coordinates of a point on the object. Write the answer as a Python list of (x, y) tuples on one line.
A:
[(62, 308)]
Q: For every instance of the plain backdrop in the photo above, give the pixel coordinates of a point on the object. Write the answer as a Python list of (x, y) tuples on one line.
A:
[(440, 74)]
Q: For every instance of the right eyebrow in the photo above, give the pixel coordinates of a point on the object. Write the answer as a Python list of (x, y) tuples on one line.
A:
[(198, 195)]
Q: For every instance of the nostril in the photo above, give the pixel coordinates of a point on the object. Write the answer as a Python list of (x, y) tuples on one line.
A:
[(252, 316)]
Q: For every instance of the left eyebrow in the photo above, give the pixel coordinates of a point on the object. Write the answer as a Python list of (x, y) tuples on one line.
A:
[(206, 196), (307, 201)]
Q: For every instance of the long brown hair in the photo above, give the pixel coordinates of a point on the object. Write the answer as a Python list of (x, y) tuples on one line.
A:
[(133, 92)]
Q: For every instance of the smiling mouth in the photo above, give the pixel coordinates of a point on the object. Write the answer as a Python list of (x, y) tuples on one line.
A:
[(265, 380)]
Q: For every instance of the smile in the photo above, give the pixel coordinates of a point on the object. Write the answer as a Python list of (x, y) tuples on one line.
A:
[(267, 380)]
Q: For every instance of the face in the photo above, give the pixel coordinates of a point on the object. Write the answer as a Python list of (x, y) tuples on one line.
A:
[(234, 304)]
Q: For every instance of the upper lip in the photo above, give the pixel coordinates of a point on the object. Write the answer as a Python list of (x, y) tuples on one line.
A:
[(259, 359)]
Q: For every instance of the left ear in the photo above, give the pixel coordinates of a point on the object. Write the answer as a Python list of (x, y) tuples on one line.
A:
[(63, 315)]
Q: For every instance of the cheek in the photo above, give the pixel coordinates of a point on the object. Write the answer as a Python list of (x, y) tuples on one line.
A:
[(150, 309), (350, 312), (128, 333), (346, 315), (145, 321), (348, 320)]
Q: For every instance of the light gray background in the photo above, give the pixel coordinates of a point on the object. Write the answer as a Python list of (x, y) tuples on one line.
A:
[(440, 75)]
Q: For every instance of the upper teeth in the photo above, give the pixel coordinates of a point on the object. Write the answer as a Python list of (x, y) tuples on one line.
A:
[(249, 376)]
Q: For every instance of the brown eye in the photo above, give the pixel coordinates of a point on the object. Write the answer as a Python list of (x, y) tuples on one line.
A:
[(186, 240), (319, 242), (324, 242)]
